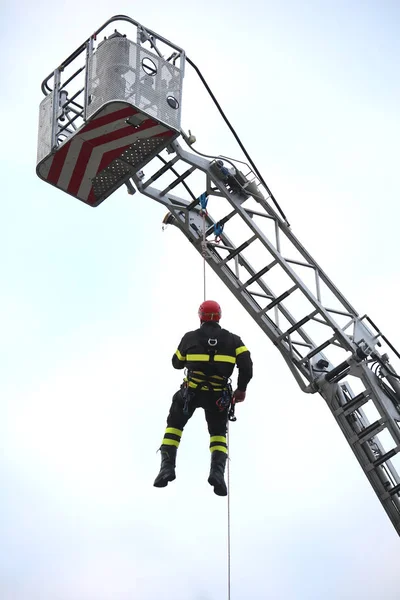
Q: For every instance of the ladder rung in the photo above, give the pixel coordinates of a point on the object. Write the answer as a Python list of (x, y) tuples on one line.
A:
[(178, 180), (298, 262), (316, 351), (339, 312), (220, 246), (278, 299), (160, 172), (298, 325), (252, 212), (259, 294), (395, 490), (323, 322), (303, 344), (369, 432), (239, 249), (388, 493), (354, 404), (379, 461), (222, 221), (259, 274)]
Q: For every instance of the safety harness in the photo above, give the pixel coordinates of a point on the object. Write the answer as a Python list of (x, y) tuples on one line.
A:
[(198, 381)]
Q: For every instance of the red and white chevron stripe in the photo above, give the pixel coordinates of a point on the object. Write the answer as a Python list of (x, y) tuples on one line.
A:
[(94, 147)]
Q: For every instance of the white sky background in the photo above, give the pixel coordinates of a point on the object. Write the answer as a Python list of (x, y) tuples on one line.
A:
[(94, 302)]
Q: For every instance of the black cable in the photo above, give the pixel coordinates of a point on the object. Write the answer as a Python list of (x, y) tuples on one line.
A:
[(235, 135), (387, 368)]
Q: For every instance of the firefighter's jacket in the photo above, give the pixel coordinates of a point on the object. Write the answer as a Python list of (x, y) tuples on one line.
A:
[(211, 353)]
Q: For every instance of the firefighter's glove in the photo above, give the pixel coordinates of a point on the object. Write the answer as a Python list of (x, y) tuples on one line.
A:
[(238, 396)]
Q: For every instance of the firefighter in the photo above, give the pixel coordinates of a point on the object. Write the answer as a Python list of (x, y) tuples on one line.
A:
[(209, 354)]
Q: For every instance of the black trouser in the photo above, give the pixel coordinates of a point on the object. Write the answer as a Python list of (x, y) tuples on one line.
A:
[(216, 418)]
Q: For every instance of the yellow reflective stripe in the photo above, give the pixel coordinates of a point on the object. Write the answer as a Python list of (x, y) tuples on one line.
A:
[(212, 383), (220, 448), (224, 358), (207, 386), (240, 350), (198, 357), (168, 442), (218, 438), (213, 376), (206, 358), (180, 356), (173, 430)]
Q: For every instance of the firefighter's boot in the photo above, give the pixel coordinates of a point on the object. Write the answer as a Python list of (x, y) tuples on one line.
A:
[(216, 478), (167, 469)]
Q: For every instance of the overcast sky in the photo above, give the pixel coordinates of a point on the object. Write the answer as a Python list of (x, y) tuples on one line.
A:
[(94, 302)]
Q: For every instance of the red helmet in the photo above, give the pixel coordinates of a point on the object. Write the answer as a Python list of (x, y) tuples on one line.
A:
[(209, 311)]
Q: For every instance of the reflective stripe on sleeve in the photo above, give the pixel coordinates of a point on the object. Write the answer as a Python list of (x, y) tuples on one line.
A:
[(240, 350), (180, 356)]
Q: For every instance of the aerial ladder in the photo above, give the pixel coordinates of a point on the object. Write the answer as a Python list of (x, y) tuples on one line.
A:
[(111, 116)]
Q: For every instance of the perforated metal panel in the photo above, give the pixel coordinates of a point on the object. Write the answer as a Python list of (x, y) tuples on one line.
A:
[(109, 178), (45, 127), (120, 70), (117, 171)]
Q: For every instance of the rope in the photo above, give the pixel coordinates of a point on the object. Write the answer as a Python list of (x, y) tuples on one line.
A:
[(229, 517), (204, 254)]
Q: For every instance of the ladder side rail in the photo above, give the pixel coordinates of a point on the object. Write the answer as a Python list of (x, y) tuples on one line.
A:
[(383, 404)]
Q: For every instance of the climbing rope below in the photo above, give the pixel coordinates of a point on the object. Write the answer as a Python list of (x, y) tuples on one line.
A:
[(203, 202), (229, 514)]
